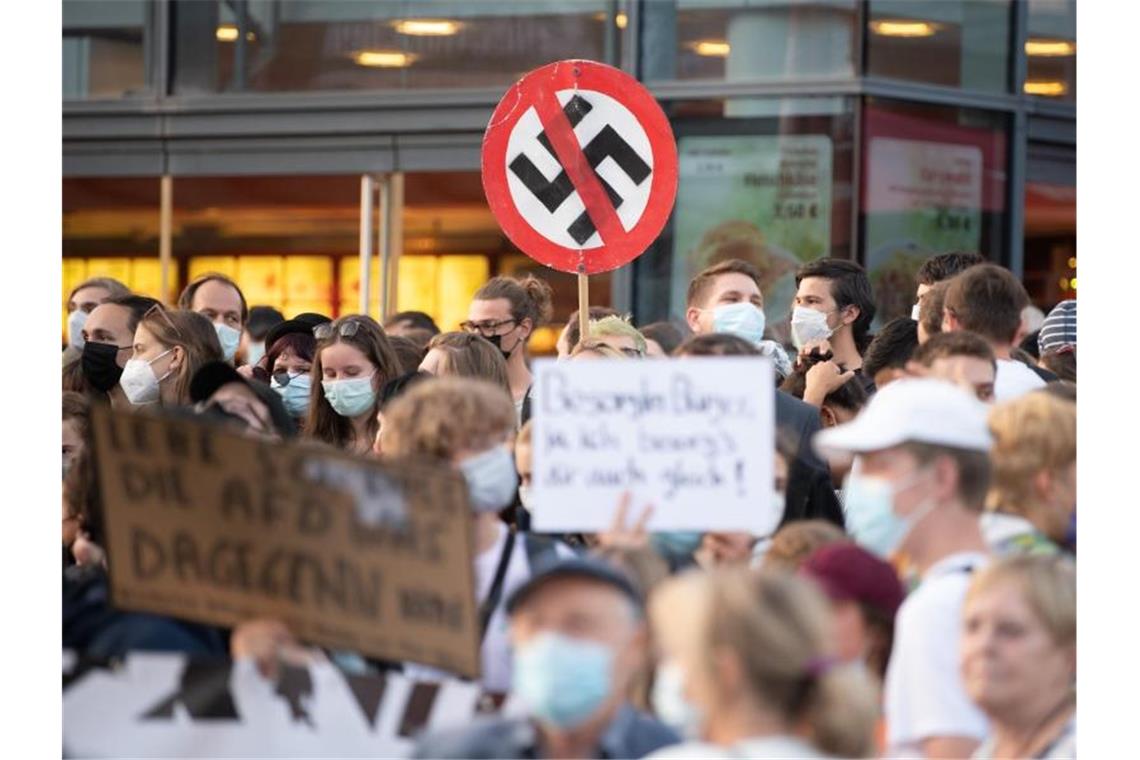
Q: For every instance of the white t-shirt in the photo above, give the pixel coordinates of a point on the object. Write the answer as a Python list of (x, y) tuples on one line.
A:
[(761, 747), (924, 694), (1014, 379), (496, 649)]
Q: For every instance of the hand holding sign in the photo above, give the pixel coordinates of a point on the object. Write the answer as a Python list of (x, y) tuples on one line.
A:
[(694, 438)]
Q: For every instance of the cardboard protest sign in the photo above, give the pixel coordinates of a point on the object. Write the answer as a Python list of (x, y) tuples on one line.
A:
[(693, 437), (217, 528), (170, 705)]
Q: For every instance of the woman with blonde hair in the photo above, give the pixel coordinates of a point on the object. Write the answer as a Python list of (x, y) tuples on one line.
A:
[(468, 424), (169, 349), (1032, 502), (461, 354), (748, 668), (1019, 655)]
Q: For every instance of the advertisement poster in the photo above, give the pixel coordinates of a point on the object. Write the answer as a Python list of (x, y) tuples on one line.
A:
[(928, 188), (766, 199)]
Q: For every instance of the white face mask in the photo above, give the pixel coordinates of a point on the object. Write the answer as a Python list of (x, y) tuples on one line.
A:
[(914, 311), (524, 496), (75, 322), (808, 325), (669, 701), (229, 338), (139, 382)]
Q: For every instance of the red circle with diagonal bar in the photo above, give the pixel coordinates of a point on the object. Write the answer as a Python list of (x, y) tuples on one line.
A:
[(580, 166)]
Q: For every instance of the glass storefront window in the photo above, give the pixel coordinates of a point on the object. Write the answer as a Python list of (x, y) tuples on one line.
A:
[(771, 183), (934, 181), (104, 48), (962, 44), (304, 45), (746, 40), (1050, 224), (1051, 50)]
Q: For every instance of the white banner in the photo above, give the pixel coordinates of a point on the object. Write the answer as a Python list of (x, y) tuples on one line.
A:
[(694, 437), (169, 705)]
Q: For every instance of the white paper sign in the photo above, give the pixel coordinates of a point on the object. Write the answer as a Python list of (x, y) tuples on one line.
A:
[(694, 437)]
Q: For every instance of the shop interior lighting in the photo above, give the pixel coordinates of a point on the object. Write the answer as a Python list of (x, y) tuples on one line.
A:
[(384, 59), (620, 20), (711, 48), (229, 33), (1048, 87), (904, 28), (1043, 48), (427, 27)]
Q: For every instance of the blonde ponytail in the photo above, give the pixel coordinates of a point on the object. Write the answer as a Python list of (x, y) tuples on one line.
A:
[(841, 712)]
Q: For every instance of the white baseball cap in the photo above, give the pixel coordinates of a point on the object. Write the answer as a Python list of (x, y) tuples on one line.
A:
[(919, 410)]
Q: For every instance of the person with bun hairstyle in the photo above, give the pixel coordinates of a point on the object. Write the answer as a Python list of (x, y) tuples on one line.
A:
[(352, 362), (506, 312), (748, 670)]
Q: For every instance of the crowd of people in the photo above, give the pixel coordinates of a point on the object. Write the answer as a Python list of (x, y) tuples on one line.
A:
[(916, 598)]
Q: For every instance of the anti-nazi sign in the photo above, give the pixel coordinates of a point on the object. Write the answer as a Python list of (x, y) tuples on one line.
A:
[(580, 166)]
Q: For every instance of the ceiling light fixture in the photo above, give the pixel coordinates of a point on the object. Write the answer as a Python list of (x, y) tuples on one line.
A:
[(229, 33), (711, 48), (1050, 88), (898, 27), (384, 59), (1043, 48), (427, 27)]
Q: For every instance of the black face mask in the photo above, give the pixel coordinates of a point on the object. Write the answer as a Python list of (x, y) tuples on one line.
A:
[(99, 365), (497, 342)]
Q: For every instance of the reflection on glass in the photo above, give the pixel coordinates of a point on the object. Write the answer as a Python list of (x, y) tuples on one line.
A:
[(1050, 224), (103, 48), (956, 43), (300, 45), (935, 182), (1051, 50), (740, 41), (771, 183)]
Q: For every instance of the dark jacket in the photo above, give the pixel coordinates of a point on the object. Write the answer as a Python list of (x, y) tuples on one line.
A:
[(631, 734), (810, 495), (94, 628)]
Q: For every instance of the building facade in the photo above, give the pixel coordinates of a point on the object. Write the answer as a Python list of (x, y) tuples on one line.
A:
[(276, 139)]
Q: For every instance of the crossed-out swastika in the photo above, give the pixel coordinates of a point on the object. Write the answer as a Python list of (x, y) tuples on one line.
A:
[(606, 144)]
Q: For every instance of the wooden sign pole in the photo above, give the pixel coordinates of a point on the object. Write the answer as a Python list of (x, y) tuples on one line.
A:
[(583, 305)]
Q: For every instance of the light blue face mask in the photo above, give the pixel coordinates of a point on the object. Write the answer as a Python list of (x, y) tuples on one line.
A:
[(870, 515), (676, 543), (229, 338), (741, 319), (294, 394), (491, 479), (562, 680), (254, 352), (350, 398)]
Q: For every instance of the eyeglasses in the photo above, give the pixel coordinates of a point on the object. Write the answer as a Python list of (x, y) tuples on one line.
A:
[(161, 311), (346, 329), (486, 327)]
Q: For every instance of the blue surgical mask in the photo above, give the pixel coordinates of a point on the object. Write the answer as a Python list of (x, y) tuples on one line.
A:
[(562, 680), (229, 338), (870, 515), (294, 394), (741, 319), (491, 479), (352, 397), (676, 543), (669, 702), (254, 352)]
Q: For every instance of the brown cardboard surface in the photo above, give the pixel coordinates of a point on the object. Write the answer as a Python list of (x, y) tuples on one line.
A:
[(217, 528)]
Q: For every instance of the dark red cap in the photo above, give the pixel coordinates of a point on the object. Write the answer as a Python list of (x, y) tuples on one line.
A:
[(846, 571)]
